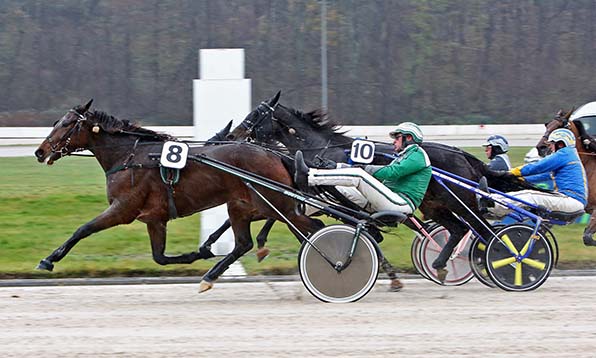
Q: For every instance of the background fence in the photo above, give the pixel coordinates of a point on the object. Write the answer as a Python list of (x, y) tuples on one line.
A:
[(456, 135)]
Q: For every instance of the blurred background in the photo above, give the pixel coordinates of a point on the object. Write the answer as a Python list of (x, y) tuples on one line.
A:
[(433, 62)]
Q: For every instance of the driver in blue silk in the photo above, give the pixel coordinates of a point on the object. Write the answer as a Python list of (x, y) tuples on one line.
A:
[(398, 186), (563, 168)]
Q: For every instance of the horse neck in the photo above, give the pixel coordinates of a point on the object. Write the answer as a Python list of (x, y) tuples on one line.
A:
[(111, 150), (312, 143)]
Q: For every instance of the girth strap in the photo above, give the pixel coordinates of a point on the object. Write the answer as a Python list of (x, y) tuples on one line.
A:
[(170, 177)]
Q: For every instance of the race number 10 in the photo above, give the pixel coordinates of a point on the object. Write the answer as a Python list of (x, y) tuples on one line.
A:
[(363, 151), (173, 155)]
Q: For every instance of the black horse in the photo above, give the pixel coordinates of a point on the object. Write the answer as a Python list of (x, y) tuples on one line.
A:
[(320, 139), (137, 190)]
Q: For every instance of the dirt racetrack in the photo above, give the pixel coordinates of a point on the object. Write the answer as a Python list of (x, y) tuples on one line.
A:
[(281, 319)]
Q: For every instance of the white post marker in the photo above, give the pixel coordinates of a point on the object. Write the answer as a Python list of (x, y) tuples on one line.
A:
[(220, 95)]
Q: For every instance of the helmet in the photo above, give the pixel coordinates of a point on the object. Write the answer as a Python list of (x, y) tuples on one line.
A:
[(497, 141), (408, 128), (562, 135)]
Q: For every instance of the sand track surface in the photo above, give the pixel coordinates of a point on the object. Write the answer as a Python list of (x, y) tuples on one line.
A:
[(281, 319)]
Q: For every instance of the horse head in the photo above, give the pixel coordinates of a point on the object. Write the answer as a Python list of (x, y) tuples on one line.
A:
[(255, 121), (561, 120), (71, 133)]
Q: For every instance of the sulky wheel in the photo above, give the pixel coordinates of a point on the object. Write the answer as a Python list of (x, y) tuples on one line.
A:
[(323, 280), (505, 260), (428, 226), (458, 266), (415, 254), (478, 262)]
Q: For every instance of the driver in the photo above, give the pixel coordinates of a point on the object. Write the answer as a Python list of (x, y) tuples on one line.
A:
[(398, 186), (565, 169), (496, 148)]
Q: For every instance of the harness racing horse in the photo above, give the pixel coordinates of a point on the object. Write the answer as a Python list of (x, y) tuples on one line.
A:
[(319, 138), (136, 191), (585, 148)]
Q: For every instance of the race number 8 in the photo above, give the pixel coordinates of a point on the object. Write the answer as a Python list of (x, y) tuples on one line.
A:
[(173, 155), (363, 151)]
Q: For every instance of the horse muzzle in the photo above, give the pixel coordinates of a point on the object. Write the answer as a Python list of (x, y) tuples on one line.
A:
[(43, 156)]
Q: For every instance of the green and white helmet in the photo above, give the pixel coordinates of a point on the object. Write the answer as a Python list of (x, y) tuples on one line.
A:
[(408, 128)]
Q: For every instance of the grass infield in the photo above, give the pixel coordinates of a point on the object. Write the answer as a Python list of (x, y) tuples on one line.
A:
[(42, 206)]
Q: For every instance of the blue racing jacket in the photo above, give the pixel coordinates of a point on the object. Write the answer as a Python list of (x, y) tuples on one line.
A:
[(566, 170)]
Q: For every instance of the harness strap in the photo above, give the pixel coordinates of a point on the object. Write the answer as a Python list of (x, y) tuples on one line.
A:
[(170, 177), (118, 168)]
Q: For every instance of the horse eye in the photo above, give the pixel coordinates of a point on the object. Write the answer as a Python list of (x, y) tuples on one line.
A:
[(54, 125)]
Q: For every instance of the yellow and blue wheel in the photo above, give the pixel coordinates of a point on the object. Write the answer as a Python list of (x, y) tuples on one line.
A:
[(518, 261), (478, 262)]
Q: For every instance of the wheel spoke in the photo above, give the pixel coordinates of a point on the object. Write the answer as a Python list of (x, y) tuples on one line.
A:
[(518, 275), (503, 262), (505, 239), (525, 248), (534, 263)]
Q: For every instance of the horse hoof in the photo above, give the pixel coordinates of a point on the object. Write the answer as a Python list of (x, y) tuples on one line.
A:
[(442, 274), (205, 286), (262, 254), (588, 241), (396, 285), (205, 253), (45, 265)]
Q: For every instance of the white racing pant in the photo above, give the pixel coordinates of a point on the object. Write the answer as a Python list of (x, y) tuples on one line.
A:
[(361, 188), (552, 201)]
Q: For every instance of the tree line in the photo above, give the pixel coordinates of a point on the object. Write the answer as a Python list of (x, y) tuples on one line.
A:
[(429, 61)]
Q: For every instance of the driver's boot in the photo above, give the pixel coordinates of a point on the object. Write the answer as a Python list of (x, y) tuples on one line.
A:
[(300, 172)]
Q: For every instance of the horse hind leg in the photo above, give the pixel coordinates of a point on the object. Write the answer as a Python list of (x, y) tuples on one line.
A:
[(589, 231), (205, 248), (244, 244), (262, 251)]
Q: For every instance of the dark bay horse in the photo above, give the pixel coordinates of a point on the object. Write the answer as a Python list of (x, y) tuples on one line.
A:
[(320, 139), (136, 190), (587, 153)]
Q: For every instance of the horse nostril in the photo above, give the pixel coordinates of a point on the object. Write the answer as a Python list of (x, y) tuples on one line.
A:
[(39, 153)]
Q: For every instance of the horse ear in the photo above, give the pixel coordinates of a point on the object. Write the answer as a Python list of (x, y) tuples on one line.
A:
[(226, 129), (88, 105), (273, 101), (568, 115)]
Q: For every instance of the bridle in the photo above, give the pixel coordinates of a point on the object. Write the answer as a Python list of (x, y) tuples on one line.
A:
[(564, 124), (265, 111), (66, 137)]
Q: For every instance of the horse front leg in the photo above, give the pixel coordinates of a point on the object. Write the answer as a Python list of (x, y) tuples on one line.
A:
[(590, 230), (457, 231), (157, 234), (112, 216)]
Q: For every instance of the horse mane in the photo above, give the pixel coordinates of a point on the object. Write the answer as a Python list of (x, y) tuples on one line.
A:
[(476, 163), (583, 133), (112, 125), (318, 119), (588, 142)]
